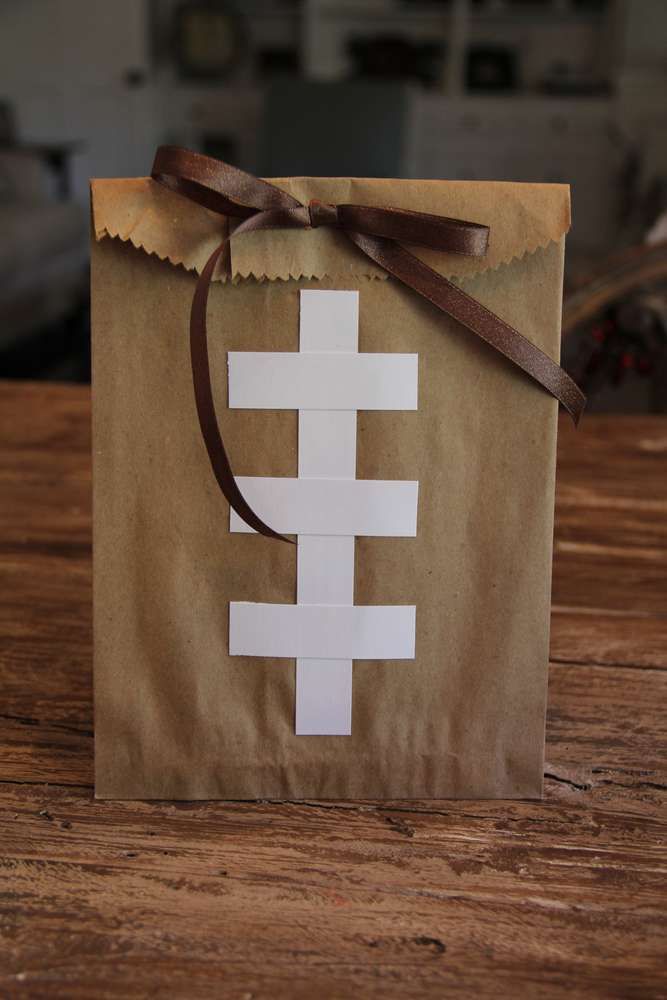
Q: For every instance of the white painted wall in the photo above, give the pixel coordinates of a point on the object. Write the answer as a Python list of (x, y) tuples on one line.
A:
[(63, 66)]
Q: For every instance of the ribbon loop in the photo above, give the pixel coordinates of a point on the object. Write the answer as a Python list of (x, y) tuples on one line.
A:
[(417, 228), (379, 234)]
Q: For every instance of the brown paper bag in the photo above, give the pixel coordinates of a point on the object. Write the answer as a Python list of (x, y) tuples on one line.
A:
[(175, 715)]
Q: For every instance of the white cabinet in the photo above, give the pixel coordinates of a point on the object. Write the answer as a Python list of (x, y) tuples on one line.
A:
[(535, 139)]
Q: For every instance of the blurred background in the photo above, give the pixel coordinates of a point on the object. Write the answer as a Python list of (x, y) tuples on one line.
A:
[(566, 91)]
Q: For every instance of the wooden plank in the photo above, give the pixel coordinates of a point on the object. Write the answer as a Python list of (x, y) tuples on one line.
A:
[(399, 899), (44, 415), (602, 717), (354, 901), (610, 547), (587, 727), (617, 638), (46, 639), (585, 517), (610, 578), (613, 457)]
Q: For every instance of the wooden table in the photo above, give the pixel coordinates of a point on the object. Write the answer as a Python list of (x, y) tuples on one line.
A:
[(346, 899)]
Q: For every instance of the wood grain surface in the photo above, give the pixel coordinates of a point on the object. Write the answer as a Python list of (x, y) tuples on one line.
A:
[(560, 898)]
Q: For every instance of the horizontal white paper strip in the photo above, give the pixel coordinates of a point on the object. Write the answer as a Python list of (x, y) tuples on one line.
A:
[(331, 506), (318, 631), (322, 381), (323, 698)]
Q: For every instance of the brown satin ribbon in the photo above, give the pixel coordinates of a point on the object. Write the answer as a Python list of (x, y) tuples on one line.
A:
[(378, 233)]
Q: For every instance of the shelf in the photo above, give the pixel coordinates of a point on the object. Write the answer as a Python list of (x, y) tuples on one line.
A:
[(415, 13)]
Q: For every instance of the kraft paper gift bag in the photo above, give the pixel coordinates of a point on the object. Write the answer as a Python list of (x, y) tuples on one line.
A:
[(399, 649)]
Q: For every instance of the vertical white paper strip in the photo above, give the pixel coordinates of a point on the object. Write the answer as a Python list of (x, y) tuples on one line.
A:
[(328, 440), (329, 321), (323, 697), (325, 569)]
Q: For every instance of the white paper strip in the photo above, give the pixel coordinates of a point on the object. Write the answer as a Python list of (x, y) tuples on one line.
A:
[(325, 563), (317, 631), (328, 321), (325, 575), (322, 381), (373, 507), (323, 698), (328, 443), (327, 381), (325, 569)]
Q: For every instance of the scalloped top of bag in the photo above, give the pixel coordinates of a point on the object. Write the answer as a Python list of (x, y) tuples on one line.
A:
[(521, 217)]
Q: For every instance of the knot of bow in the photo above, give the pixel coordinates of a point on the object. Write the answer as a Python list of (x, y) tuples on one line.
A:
[(380, 234)]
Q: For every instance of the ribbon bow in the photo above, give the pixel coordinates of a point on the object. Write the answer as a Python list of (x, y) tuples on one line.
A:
[(378, 233)]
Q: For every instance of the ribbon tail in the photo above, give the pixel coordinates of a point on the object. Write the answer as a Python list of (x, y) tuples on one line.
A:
[(201, 377), (453, 301)]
